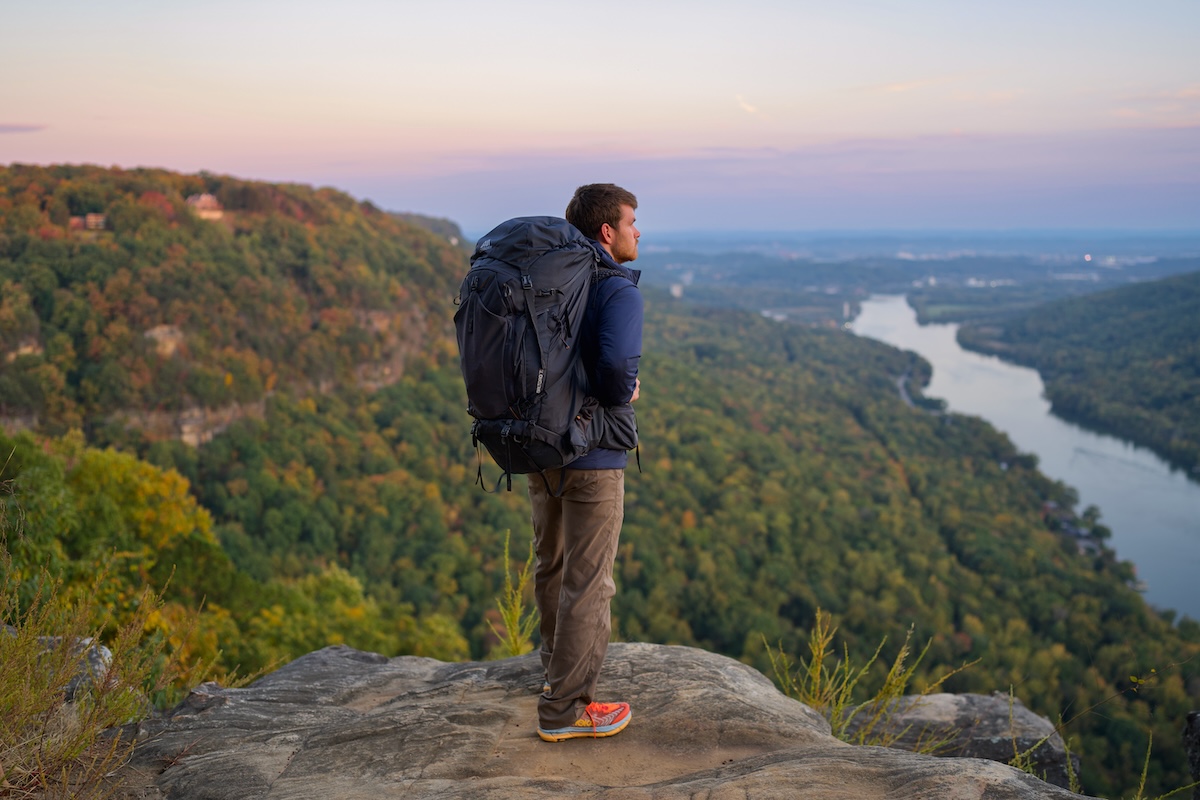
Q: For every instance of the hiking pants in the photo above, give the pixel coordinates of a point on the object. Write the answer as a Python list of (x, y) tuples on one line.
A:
[(575, 536)]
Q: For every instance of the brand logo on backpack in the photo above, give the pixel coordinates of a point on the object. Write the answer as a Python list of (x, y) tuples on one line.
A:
[(520, 312)]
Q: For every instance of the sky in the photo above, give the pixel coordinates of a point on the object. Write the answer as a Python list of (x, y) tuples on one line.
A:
[(748, 115)]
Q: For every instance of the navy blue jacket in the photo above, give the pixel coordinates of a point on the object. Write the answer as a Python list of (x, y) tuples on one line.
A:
[(612, 346)]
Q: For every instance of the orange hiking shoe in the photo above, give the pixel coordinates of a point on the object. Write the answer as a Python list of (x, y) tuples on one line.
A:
[(599, 719)]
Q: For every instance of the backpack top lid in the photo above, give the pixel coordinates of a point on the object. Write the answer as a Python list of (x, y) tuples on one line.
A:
[(524, 240)]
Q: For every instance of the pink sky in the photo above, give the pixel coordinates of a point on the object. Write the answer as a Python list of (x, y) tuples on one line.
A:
[(762, 114)]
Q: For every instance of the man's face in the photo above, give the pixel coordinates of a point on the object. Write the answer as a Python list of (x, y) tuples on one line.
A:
[(624, 246)]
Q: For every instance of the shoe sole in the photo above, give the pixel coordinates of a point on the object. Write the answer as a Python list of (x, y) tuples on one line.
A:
[(562, 734)]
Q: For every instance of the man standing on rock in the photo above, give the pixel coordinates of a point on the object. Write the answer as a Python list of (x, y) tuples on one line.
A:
[(576, 526)]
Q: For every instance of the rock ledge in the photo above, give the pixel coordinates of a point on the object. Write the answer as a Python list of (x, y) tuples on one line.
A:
[(347, 724)]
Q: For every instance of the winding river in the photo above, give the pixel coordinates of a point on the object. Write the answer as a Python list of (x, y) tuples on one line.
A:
[(1153, 511)]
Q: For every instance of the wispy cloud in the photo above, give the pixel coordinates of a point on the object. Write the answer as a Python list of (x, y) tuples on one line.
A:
[(8, 127), (1169, 108), (749, 109)]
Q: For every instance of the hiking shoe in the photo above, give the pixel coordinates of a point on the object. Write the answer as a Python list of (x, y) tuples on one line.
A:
[(599, 719)]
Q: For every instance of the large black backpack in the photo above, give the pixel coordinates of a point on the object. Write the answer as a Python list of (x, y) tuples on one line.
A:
[(520, 312)]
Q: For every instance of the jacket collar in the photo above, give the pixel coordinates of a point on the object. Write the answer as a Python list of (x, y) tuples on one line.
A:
[(634, 275)]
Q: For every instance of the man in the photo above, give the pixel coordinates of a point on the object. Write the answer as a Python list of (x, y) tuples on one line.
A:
[(577, 511)]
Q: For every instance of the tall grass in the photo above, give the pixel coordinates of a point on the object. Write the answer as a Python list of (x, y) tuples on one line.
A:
[(516, 623), (60, 701), (832, 687)]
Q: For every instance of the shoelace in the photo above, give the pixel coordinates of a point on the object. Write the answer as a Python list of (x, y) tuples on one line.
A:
[(592, 717), (602, 711)]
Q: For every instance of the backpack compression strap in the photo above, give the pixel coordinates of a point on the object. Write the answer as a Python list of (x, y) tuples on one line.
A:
[(527, 288)]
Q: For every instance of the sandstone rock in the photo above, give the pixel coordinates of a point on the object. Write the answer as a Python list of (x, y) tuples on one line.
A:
[(980, 726), (91, 659), (346, 724)]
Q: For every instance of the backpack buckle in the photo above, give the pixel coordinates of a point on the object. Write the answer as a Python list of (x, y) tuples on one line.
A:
[(526, 281)]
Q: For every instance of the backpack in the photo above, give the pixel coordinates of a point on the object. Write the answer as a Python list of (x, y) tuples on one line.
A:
[(520, 312)]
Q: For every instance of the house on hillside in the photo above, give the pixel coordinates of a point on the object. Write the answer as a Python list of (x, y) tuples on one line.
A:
[(87, 222), (206, 206)]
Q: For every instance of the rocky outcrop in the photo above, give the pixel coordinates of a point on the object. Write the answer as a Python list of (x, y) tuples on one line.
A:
[(347, 724), (995, 727), (1191, 743), (15, 423), (398, 335), (193, 425), (88, 660)]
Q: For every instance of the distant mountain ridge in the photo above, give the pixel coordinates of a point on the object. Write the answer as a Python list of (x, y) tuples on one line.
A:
[(1125, 361)]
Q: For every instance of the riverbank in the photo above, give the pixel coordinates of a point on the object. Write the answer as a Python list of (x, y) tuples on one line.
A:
[(1151, 510)]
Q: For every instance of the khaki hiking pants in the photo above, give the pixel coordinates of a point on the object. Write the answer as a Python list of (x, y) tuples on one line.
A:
[(575, 536)]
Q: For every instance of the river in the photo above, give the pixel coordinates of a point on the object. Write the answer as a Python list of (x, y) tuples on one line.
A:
[(1153, 512)]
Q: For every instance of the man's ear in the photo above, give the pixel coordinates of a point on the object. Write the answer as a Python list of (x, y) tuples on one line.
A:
[(607, 234)]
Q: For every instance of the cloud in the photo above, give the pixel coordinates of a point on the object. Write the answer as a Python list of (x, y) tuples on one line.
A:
[(903, 87), (7, 127), (1171, 108), (749, 109)]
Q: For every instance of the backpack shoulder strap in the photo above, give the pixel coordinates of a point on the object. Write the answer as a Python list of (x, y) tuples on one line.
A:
[(600, 273)]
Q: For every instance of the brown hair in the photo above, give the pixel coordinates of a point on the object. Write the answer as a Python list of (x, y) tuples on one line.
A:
[(595, 204)]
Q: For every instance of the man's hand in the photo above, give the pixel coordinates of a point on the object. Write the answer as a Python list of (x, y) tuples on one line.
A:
[(637, 389)]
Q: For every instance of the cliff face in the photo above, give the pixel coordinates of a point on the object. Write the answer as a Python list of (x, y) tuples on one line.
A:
[(347, 724)]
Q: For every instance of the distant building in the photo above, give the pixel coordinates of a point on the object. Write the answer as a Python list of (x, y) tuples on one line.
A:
[(206, 206), (95, 222)]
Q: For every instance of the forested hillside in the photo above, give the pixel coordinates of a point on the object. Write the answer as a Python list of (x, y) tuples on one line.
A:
[(782, 472), (154, 311), (1125, 361)]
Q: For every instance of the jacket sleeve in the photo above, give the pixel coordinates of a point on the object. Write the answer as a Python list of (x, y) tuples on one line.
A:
[(619, 339)]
